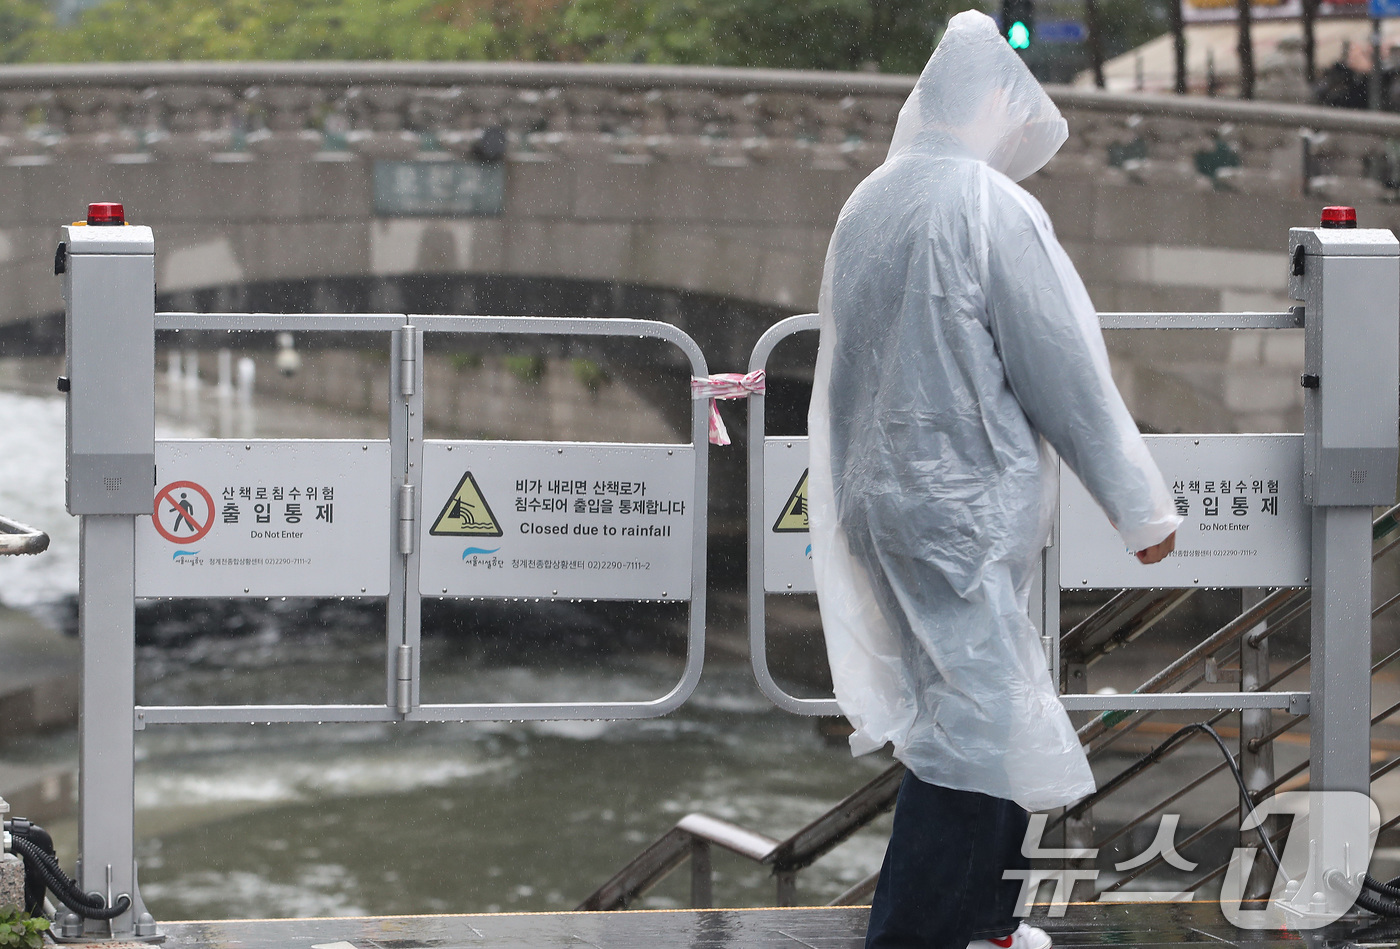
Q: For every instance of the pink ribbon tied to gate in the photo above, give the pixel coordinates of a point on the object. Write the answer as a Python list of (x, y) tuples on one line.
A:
[(725, 385)]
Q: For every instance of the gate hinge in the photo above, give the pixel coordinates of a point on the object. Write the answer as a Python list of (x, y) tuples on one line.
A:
[(408, 358), (404, 679), (407, 525)]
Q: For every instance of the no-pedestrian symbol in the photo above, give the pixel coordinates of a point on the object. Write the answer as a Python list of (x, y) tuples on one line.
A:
[(183, 512), (793, 519), (466, 513)]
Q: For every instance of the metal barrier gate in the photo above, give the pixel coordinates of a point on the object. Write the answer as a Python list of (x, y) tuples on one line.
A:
[(1323, 485), (1262, 511), (399, 518), (780, 548)]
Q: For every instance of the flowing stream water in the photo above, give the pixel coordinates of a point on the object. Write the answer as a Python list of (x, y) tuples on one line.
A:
[(283, 820)]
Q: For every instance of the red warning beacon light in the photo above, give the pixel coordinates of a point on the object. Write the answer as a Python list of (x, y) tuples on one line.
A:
[(1339, 217), (111, 214)]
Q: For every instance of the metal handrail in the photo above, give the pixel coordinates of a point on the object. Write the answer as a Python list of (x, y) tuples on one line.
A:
[(1213, 720), (17, 538), (1192, 785), (836, 825), (1120, 620), (695, 834), (1299, 600), (1207, 648), (1113, 736), (1381, 527), (1254, 639), (690, 838), (1106, 621), (1233, 630), (1257, 796), (859, 892)]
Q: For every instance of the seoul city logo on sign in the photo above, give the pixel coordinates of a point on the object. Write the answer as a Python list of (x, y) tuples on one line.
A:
[(183, 514)]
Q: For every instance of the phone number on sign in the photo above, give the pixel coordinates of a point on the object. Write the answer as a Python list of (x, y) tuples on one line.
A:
[(581, 564), (260, 561)]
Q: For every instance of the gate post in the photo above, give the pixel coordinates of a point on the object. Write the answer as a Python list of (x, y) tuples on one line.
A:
[(1349, 281), (108, 273)]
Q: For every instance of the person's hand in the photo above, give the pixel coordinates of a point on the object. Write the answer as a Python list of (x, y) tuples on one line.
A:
[(1158, 552)]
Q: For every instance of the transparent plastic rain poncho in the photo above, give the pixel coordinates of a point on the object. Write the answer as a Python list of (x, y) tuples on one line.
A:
[(956, 341)]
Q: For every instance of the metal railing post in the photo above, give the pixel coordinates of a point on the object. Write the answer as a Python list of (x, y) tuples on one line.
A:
[(1256, 752), (702, 878), (787, 887), (1072, 673)]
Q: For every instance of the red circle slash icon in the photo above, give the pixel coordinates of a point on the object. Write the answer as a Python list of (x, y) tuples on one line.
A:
[(174, 507)]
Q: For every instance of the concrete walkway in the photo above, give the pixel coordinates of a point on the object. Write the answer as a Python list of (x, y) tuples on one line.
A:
[(1084, 926)]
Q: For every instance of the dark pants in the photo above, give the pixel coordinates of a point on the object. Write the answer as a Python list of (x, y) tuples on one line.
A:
[(941, 884)]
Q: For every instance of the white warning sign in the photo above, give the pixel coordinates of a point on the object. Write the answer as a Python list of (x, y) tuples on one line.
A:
[(1244, 520), (266, 518), (557, 520), (787, 543)]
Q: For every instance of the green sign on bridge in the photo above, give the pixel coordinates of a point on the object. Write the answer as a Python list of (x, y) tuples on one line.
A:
[(454, 188)]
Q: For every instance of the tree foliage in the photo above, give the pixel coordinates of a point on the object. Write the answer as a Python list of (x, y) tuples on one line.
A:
[(890, 35), (1127, 24), (18, 930), (23, 25), (262, 29)]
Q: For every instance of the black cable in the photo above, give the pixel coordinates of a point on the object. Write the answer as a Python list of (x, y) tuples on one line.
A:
[(1245, 798), (67, 891), (1383, 889), (1378, 904), (1383, 930), (1383, 899)]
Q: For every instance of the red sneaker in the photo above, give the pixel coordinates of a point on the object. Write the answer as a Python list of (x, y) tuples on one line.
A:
[(1025, 937)]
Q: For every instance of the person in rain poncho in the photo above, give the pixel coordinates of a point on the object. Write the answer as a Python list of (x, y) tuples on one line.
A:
[(959, 351)]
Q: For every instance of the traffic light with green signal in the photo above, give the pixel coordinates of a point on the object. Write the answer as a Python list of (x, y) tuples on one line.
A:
[(1018, 23)]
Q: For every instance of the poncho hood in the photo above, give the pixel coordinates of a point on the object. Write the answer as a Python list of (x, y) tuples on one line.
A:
[(977, 97)]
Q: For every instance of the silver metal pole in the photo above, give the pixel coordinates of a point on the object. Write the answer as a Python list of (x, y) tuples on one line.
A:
[(1340, 740), (1256, 763), (107, 772), (109, 301), (1341, 649), (1373, 85), (1349, 280)]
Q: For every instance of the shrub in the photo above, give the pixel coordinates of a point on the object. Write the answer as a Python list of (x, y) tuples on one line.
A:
[(20, 930), (526, 368)]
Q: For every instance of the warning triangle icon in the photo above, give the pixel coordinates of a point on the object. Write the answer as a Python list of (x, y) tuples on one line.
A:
[(793, 519), (466, 513)]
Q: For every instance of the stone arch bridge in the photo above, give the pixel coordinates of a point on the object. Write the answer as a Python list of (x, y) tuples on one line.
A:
[(700, 196)]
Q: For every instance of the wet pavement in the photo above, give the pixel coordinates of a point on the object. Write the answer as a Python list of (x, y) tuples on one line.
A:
[(1085, 925)]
